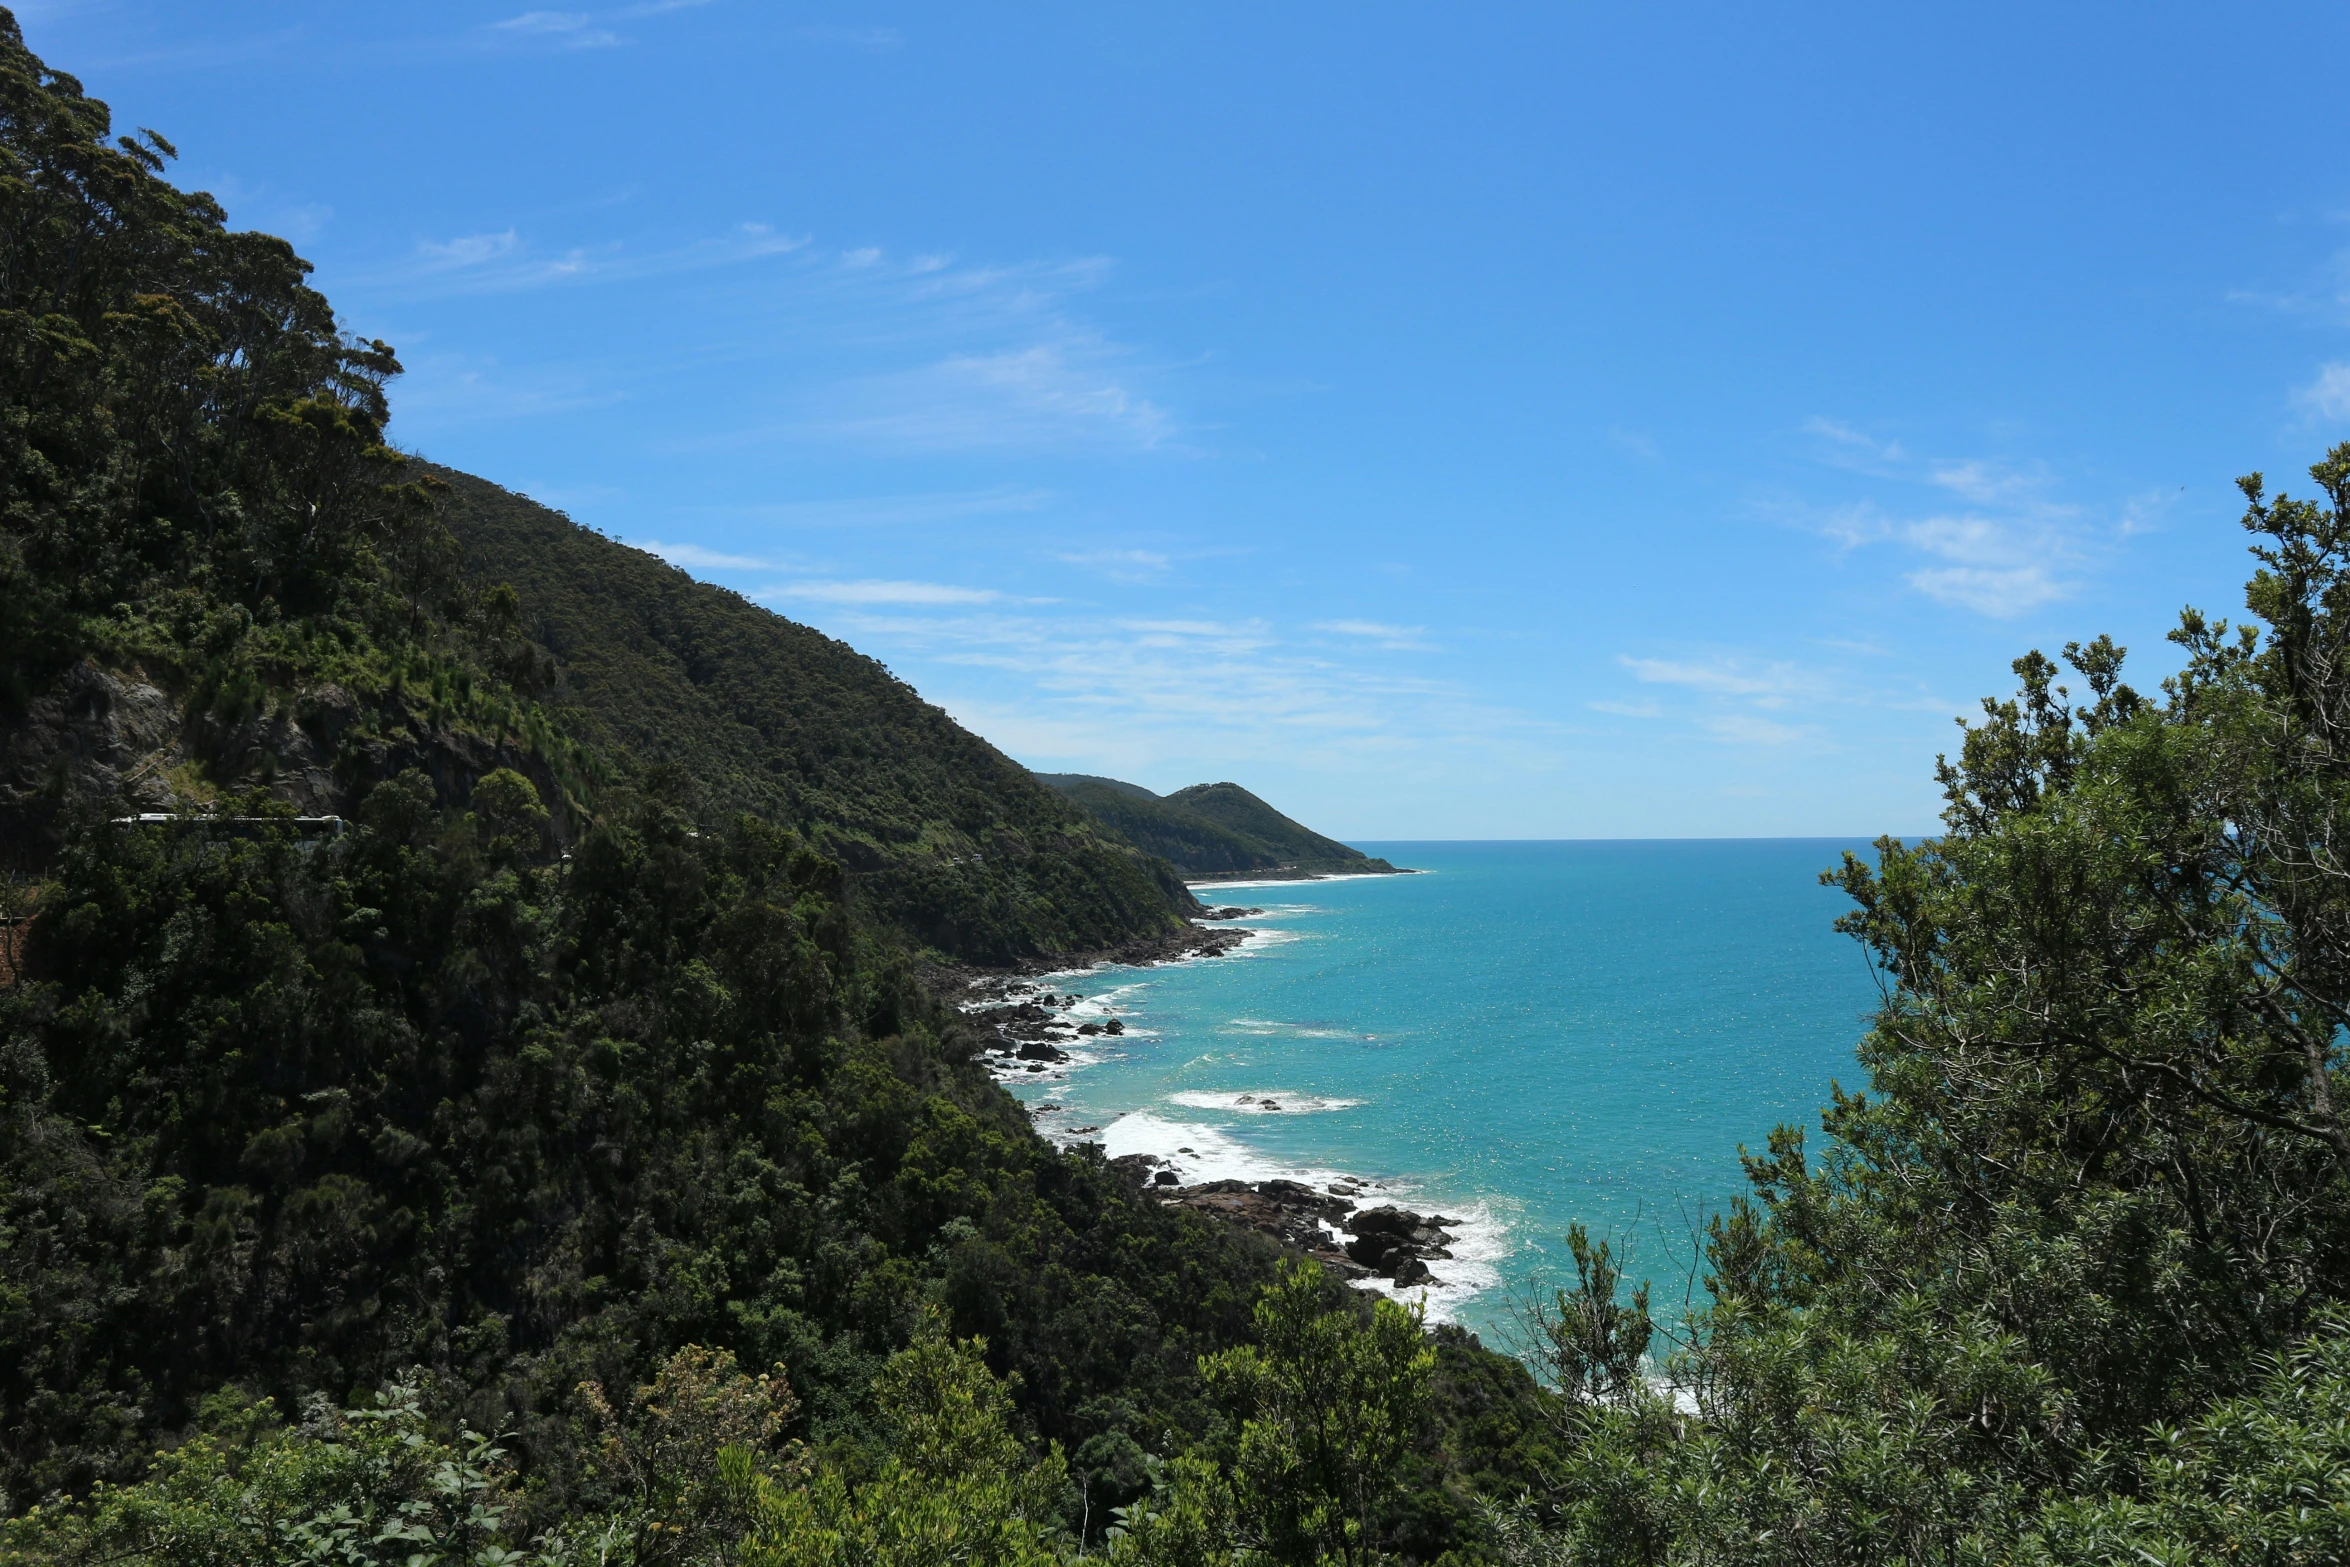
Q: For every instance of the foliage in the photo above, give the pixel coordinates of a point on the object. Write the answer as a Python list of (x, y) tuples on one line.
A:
[(2072, 1247), (304, 1111), (946, 840), (1208, 829), (1329, 1406), (956, 1485), (2262, 1478), (369, 1487)]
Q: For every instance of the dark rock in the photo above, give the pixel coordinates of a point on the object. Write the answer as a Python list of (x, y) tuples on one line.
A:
[(1340, 1263), (1411, 1270), (1038, 1050), (1089, 1028), (1168, 1178), (1113, 1026), (1136, 1167), (1386, 1219)]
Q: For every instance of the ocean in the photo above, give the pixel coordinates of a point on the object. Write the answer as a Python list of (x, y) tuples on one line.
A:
[(1525, 1036)]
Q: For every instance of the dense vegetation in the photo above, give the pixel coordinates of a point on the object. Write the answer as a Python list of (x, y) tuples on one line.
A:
[(2069, 1283), (944, 837), (552, 1092), (558, 1162), (1209, 830)]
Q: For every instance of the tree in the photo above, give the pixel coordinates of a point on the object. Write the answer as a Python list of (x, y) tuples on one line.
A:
[(1329, 1406), (956, 1484), (2096, 1194)]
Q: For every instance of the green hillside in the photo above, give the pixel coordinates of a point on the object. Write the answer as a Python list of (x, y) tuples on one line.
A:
[(1211, 830), (1236, 810), (1185, 839), (574, 1082), (944, 837)]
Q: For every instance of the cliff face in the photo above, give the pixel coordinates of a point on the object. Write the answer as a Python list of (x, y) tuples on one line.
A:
[(104, 741)]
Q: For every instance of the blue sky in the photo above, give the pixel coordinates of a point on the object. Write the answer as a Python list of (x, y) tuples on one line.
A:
[(1511, 421)]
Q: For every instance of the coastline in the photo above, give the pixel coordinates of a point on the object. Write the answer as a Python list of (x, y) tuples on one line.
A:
[(1282, 873), (1376, 1232)]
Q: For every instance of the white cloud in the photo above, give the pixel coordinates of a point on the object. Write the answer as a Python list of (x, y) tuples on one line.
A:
[(1746, 729), (871, 591), (468, 250), (1639, 445), (1847, 445), (1120, 565), (543, 22), (504, 261), (1771, 686), (854, 37), (1999, 593), (2014, 546), (873, 511), (576, 29), (2328, 397), (1154, 692), (694, 555), (1069, 391), (1407, 638)]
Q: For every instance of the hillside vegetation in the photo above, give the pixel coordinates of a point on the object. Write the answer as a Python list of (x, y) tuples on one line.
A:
[(944, 837), (554, 1091), (1211, 830), (556, 1162)]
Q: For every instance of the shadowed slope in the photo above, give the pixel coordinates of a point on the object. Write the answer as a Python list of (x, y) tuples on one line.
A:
[(945, 837)]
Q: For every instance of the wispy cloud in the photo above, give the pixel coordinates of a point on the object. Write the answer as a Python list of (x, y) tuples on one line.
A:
[(880, 511), (871, 591), (1769, 685), (467, 250), (1639, 445), (873, 38), (1150, 691), (693, 555), (576, 29), (2327, 397), (1745, 729), (445, 391), (1741, 700), (1997, 541), (1070, 391), (506, 260), (1408, 638), (1128, 566)]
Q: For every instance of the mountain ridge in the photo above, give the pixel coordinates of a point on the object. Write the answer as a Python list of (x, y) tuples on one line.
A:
[(1213, 832)]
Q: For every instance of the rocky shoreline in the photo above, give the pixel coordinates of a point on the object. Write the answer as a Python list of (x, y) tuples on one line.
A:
[(1298, 873), (1195, 940), (1028, 1027), (1329, 1225)]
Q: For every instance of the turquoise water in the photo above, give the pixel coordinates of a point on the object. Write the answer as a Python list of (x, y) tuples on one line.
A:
[(1528, 1035)]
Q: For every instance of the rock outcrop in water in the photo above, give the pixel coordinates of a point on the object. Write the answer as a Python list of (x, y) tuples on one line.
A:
[(1386, 1242)]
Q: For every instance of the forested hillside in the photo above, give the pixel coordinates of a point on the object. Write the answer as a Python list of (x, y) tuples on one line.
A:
[(549, 1079), (555, 1159), (944, 837), (1211, 830)]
